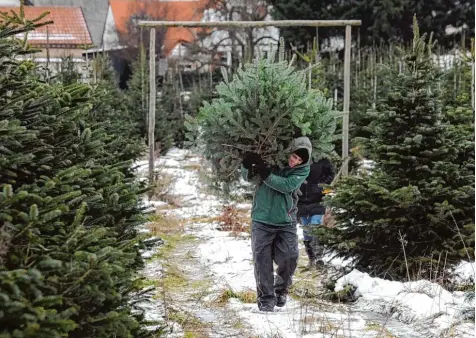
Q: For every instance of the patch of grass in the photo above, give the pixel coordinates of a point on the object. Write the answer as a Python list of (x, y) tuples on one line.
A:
[(308, 319), (193, 167), (188, 335), (143, 283), (164, 183), (238, 324), (327, 327), (345, 295), (305, 285), (173, 279), (383, 332), (193, 327), (200, 284), (163, 224), (247, 296), (201, 288), (151, 285), (170, 230), (189, 255), (202, 219), (224, 296), (170, 243)]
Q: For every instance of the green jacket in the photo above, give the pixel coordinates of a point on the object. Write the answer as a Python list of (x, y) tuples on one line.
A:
[(275, 199)]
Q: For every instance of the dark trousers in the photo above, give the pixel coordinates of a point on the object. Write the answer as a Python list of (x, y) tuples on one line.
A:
[(278, 244)]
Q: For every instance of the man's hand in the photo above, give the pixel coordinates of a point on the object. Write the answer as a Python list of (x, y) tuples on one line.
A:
[(263, 171), (250, 159)]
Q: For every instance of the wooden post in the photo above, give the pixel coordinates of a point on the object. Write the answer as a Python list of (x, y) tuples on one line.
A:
[(317, 45), (142, 69), (334, 67), (210, 73), (152, 100), (48, 55), (345, 122), (472, 84), (180, 89), (374, 103), (455, 76), (310, 64)]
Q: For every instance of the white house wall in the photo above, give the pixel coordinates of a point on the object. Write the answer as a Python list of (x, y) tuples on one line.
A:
[(9, 2), (110, 37)]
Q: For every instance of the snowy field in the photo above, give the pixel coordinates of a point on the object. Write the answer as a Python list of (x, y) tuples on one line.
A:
[(383, 308)]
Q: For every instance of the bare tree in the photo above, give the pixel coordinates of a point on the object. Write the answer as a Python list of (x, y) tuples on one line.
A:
[(236, 44), (134, 36)]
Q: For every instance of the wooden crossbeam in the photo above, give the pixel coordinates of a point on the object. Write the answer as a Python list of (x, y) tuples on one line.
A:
[(254, 24)]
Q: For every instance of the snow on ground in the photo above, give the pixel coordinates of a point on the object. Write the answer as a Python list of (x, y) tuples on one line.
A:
[(218, 251), (408, 302), (398, 308), (464, 272)]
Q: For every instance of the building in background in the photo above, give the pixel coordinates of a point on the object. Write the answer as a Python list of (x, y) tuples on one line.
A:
[(9, 2), (110, 26), (66, 37), (98, 16)]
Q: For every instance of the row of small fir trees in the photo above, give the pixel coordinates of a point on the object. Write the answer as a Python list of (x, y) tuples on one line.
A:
[(69, 203), (413, 213)]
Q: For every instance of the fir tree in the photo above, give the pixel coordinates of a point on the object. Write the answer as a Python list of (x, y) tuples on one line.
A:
[(458, 115), (401, 214), (68, 74), (168, 118), (110, 111), (69, 209), (137, 94), (169, 123), (260, 110)]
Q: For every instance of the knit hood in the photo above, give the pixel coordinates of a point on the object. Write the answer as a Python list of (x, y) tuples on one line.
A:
[(302, 143)]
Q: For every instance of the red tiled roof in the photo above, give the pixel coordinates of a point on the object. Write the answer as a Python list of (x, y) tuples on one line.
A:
[(125, 10), (68, 27)]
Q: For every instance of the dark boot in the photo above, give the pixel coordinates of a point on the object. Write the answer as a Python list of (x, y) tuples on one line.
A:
[(310, 254), (281, 300), (309, 250), (311, 264), (266, 307)]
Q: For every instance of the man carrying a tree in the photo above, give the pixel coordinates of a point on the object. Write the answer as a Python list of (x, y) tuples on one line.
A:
[(310, 208), (274, 220)]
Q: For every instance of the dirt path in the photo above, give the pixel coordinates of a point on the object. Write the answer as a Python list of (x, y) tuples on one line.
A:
[(189, 293), (204, 277)]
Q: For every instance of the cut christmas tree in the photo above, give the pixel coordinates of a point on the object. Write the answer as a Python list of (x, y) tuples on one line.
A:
[(261, 110)]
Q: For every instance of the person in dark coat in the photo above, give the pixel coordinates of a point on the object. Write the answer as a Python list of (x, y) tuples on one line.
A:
[(310, 208)]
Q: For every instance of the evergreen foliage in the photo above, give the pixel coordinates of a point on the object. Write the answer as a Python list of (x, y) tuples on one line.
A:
[(260, 110), (69, 207), (418, 202), (382, 21), (169, 123), (137, 94), (109, 110)]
